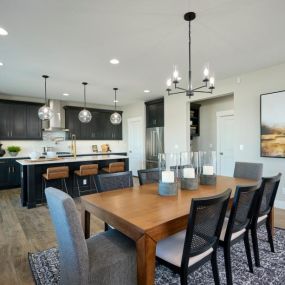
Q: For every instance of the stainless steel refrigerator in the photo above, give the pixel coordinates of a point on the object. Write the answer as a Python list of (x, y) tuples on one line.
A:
[(154, 146)]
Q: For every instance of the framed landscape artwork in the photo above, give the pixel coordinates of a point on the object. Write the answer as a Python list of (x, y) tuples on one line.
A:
[(272, 123)]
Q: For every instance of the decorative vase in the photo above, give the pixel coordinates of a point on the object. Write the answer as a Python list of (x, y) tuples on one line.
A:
[(2, 151), (13, 153), (189, 169)]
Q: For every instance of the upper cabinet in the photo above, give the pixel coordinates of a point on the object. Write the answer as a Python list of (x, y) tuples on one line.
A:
[(19, 121), (155, 113), (100, 127)]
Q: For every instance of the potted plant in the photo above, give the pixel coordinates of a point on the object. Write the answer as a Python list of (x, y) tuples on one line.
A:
[(13, 150)]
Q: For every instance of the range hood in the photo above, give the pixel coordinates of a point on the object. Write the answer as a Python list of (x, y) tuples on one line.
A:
[(56, 123)]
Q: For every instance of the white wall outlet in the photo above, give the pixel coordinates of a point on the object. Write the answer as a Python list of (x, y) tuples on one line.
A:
[(84, 181), (241, 147)]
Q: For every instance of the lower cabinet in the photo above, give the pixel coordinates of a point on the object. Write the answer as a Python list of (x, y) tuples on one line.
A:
[(10, 175)]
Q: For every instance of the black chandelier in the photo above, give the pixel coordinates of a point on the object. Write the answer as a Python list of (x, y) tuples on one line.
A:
[(209, 82)]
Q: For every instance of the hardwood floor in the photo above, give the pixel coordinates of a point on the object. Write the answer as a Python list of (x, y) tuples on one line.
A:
[(23, 231)]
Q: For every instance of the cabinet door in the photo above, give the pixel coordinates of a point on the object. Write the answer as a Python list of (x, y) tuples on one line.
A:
[(5, 170), (15, 174), (72, 122), (160, 114), (99, 125), (5, 132), (34, 124), (18, 121), (85, 130)]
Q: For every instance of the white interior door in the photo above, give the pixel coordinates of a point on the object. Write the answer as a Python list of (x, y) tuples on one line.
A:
[(225, 143), (135, 144)]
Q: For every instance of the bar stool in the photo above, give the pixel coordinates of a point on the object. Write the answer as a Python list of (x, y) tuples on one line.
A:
[(115, 167), (55, 173), (89, 170)]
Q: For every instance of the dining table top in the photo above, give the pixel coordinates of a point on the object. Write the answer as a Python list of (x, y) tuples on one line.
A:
[(143, 208)]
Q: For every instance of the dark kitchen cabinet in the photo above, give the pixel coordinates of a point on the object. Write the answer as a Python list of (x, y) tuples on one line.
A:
[(155, 113), (194, 120), (100, 127), (19, 121), (10, 175)]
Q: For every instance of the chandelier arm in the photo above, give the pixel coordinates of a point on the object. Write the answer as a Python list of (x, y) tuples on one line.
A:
[(200, 91), (180, 88), (197, 88), (173, 93)]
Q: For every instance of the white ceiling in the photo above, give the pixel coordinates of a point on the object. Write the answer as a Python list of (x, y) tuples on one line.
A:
[(73, 41)]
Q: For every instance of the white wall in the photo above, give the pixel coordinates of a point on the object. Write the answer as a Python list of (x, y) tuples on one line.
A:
[(208, 122), (247, 117)]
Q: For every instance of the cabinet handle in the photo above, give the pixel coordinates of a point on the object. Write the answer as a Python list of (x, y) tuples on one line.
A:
[(9, 170)]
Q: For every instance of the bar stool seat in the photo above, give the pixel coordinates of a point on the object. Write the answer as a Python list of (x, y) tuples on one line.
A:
[(86, 170), (55, 173), (115, 167)]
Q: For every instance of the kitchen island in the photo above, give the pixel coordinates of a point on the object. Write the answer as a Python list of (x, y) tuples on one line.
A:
[(31, 175)]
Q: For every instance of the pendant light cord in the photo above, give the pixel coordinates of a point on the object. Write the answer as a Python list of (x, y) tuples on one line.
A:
[(115, 89), (46, 77), (84, 84)]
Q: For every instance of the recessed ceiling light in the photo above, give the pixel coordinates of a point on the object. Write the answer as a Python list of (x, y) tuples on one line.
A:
[(1, 64), (65, 94), (116, 101), (114, 61), (3, 32), (146, 91)]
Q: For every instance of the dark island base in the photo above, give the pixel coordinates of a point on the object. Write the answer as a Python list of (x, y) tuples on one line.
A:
[(32, 183)]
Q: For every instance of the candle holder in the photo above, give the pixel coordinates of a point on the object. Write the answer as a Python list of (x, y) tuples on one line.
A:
[(188, 170), (168, 171), (208, 161)]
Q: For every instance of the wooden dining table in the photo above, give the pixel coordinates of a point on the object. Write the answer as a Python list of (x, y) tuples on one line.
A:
[(146, 217)]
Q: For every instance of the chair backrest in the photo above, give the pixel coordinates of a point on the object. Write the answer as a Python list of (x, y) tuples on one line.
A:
[(57, 172), (116, 167), (147, 176), (73, 252), (88, 169), (242, 209), (267, 196), (204, 225), (248, 170), (113, 181)]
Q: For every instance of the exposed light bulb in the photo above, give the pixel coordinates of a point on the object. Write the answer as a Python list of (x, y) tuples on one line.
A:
[(168, 82), (45, 113), (116, 118), (3, 32), (175, 74), (206, 72), (212, 81), (84, 116)]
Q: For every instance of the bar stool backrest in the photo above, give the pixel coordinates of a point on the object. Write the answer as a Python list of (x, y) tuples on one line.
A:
[(117, 167), (88, 169), (57, 172)]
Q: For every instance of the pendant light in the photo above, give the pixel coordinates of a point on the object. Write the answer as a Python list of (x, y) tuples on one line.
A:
[(84, 115), (116, 118), (45, 112)]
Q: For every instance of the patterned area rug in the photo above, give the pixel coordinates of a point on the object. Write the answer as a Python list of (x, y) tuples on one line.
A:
[(45, 266)]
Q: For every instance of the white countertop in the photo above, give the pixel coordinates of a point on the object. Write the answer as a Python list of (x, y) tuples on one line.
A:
[(72, 159)]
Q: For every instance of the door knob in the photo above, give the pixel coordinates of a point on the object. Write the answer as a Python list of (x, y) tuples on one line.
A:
[(221, 153)]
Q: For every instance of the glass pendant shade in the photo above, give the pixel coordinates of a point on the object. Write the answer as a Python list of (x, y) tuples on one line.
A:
[(116, 118), (45, 113), (84, 116)]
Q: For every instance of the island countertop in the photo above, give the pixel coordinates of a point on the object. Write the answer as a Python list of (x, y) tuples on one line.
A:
[(27, 162)]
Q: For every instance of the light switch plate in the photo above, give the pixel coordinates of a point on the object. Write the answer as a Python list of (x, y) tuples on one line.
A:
[(84, 181), (241, 147)]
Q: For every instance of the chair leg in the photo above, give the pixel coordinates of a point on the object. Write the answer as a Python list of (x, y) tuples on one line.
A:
[(255, 247), (269, 234), (66, 189), (228, 265), (247, 250), (95, 187), (43, 190), (183, 278), (78, 186), (215, 268)]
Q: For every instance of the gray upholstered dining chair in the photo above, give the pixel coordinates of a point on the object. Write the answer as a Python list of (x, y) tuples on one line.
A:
[(248, 170), (148, 176), (106, 258)]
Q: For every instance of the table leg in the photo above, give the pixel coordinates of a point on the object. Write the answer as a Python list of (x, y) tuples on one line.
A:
[(146, 247), (85, 222)]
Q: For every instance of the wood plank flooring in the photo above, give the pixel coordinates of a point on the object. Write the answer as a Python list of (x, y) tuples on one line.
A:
[(23, 231)]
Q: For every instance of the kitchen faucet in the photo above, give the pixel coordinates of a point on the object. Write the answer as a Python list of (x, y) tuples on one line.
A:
[(73, 145)]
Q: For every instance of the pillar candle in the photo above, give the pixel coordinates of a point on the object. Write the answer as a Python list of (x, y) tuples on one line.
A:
[(167, 176), (188, 173), (208, 170)]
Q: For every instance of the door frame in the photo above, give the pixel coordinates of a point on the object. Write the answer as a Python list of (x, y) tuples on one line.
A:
[(220, 115), (134, 119)]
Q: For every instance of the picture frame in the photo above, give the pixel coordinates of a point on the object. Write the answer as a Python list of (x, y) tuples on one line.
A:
[(272, 124)]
